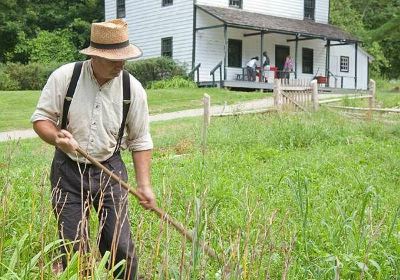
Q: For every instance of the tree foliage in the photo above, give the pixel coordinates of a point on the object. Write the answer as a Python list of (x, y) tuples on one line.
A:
[(377, 24), (25, 23)]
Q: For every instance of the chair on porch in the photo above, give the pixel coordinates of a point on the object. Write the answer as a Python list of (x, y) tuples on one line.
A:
[(242, 76)]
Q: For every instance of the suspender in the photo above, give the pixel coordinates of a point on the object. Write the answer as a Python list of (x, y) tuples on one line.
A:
[(126, 85), (70, 92)]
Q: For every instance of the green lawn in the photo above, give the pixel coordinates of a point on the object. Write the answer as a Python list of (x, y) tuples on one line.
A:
[(17, 107), (309, 196)]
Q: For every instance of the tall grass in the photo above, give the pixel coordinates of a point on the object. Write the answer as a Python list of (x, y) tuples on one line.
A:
[(277, 196)]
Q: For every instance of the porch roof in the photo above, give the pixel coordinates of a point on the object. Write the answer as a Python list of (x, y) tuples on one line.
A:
[(305, 28)]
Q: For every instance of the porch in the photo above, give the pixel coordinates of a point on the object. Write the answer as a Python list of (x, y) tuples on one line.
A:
[(220, 32)]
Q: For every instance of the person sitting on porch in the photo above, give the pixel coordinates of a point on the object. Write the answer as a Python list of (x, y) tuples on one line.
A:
[(251, 69)]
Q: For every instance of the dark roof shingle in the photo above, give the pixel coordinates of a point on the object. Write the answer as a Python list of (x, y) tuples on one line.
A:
[(240, 18)]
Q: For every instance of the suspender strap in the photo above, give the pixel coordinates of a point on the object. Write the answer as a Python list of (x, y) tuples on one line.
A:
[(70, 92), (126, 85)]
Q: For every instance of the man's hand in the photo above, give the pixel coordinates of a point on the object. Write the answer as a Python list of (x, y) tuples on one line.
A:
[(62, 139), (66, 142), (148, 200)]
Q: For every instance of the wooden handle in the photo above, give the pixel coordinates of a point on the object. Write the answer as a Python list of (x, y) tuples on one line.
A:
[(160, 213)]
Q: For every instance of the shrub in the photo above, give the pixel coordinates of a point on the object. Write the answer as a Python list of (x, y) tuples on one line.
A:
[(175, 82), (155, 69), (52, 46), (31, 76), (6, 83)]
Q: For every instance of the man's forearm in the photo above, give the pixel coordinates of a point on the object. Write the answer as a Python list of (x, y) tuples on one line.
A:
[(142, 163), (52, 135), (46, 130)]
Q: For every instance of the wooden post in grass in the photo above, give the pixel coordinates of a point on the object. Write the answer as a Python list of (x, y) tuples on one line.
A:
[(314, 96), (206, 121), (371, 99), (277, 94)]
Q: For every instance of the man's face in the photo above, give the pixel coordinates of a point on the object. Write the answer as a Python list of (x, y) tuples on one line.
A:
[(107, 69)]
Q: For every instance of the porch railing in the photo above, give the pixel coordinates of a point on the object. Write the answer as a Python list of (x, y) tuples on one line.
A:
[(195, 69), (212, 73), (336, 78)]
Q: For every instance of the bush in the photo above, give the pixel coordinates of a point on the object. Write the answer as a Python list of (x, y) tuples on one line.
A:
[(52, 46), (31, 76), (175, 82), (155, 69), (6, 83)]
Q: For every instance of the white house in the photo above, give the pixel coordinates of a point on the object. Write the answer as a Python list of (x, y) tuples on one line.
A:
[(230, 32)]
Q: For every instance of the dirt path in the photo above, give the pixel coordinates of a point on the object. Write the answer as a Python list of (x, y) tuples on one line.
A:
[(215, 110)]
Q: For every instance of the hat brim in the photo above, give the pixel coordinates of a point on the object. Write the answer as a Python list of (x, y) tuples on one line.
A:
[(129, 52)]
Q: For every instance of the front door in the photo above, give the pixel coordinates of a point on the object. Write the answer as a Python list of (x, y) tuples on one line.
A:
[(281, 52)]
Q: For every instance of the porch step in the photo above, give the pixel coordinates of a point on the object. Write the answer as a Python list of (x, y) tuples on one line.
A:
[(207, 84)]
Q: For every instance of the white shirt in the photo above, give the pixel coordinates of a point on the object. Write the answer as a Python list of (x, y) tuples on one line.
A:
[(252, 63), (95, 114)]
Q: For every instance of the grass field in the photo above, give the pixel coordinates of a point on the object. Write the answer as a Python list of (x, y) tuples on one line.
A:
[(17, 107), (293, 196)]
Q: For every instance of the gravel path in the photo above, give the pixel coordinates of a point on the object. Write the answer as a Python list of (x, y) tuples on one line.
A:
[(215, 110)]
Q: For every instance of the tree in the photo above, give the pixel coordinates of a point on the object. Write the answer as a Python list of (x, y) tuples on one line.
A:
[(376, 23), (22, 20), (49, 47)]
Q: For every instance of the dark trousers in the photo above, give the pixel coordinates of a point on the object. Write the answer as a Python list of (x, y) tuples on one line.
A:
[(75, 189), (251, 74)]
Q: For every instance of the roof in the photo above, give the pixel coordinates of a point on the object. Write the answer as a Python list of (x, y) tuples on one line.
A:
[(238, 18)]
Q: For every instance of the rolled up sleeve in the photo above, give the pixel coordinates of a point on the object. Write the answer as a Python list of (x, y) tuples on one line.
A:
[(51, 100), (138, 136)]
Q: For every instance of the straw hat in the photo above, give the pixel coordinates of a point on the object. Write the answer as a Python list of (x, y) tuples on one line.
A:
[(110, 40)]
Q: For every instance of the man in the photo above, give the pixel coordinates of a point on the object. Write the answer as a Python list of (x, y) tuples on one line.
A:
[(251, 68), (93, 122)]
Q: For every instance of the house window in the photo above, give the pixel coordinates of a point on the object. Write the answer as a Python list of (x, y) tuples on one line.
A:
[(235, 3), (120, 8), (166, 47), (234, 53), (309, 9), (344, 63), (167, 3), (308, 61)]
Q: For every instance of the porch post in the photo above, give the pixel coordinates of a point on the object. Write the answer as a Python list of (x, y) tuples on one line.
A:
[(355, 65), (368, 72), (295, 56), (327, 63), (225, 49), (261, 57), (194, 35)]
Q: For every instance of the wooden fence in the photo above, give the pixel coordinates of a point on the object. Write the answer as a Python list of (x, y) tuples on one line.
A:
[(371, 96), (295, 95)]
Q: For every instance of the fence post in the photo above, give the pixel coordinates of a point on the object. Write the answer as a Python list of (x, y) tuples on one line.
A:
[(206, 120), (371, 99), (277, 94), (314, 96)]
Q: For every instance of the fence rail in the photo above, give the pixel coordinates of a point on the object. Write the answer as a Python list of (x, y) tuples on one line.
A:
[(295, 94)]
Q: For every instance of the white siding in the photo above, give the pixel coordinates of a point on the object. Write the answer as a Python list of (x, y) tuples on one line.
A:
[(149, 22), (209, 45), (348, 77), (110, 9), (322, 11), (281, 8), (290, 9), (217, 3)]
